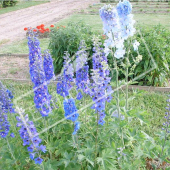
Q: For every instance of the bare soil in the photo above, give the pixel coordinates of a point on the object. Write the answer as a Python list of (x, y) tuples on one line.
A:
[(13, 23), (12, 29)]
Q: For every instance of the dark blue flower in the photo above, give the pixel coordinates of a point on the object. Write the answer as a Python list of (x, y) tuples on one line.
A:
[(70, 110), (48, 66), (6, 106), (76, 127), (79, 96), (39, 74), (38, 160), (29, 135)]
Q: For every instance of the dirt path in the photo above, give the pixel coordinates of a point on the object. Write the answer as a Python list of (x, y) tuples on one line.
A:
[(12, 23)]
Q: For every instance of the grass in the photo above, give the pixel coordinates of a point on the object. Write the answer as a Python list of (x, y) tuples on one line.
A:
[(153, 103), (94, 22), (21, 5), (21, 47)]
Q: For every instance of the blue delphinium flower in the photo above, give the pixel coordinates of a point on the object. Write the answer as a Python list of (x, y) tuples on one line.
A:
[(48, 66), (71, 113), (101, 80), (79, 96), (110, 20), (112, 29), (38, 76), (38, 160), (30, 136), (70, 110), (82, 68), (6, 106), (64, 84), (76, 127), (124, 8)]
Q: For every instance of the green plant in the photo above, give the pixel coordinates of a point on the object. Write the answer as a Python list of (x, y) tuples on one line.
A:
[(157, 55), (68, 39), (7, 3)]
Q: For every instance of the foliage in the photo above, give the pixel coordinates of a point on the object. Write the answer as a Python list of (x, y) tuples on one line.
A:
[(108, 135), (65, 151), (68, 39), (155, 56), (8, 3), (155, 50)]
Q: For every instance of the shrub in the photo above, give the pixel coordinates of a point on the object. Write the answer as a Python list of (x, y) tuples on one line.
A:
[(68, 39), (157, 42), (7, 3)]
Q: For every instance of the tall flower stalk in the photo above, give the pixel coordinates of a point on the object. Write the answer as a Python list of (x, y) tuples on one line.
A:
[(39, 74), (6, 107), (101, 90), (30, 136)]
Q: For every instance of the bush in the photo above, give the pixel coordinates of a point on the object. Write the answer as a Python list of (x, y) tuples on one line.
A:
[(156, 39), (8, 3), (68, 39)]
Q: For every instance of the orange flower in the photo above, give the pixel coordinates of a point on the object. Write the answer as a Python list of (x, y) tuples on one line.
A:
[(42, 28), (51, 25), (38, 27), (41, 31), (47, 29), (25, 29), (64, 26), (58, 27), (42, 25)]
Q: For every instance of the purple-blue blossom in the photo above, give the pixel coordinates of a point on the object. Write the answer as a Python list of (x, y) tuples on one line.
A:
[(6, 106), (29, 135), (48, 66), (82, 68), (66, 79), (101, 80), (70, 109), (38, 76), (124, 8)]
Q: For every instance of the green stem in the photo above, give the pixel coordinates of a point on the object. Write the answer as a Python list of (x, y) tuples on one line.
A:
[(126, 88), (117, 88), (96, 140), (10, 150)]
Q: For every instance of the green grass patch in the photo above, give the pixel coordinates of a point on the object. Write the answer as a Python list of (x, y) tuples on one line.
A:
[(21, 47), (153, 103), (21, 5)]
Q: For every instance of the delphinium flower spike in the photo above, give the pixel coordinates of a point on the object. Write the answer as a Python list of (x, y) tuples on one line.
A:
[(30, 136), (101, 90), (66, 79), (6, 107), (71, 113), (82, 69), (48, 66), (126, 20), (112, 29), (38, 77)]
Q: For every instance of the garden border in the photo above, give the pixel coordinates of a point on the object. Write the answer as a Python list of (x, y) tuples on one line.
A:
[(131, 87)]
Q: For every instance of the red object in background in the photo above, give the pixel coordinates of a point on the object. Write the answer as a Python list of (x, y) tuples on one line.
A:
[(34, 30), (51, 25), (47, 29), (38, 27), (25, 29)]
